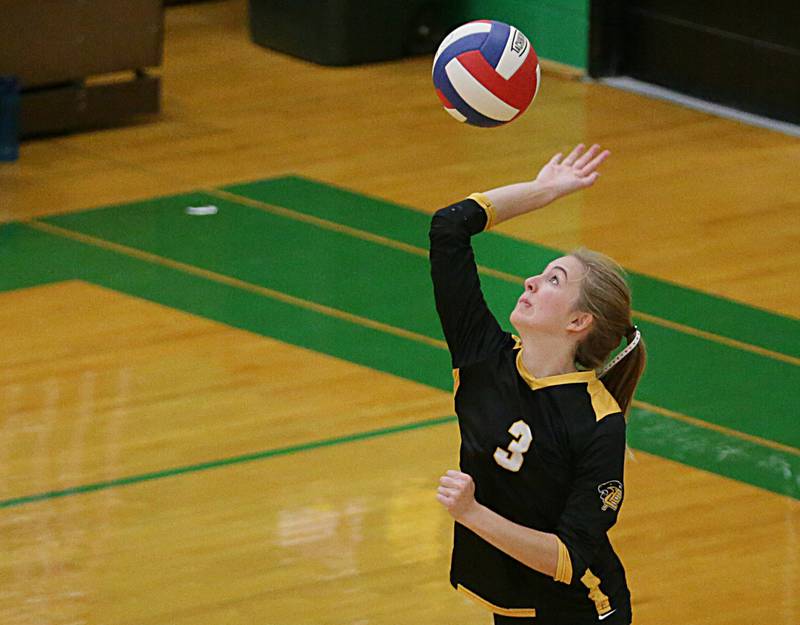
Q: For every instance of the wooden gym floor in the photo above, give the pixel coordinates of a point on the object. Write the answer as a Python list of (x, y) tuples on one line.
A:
[(242, 417)]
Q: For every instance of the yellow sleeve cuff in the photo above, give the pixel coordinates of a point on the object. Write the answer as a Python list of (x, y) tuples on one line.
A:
[(487, 206), (564, 566)]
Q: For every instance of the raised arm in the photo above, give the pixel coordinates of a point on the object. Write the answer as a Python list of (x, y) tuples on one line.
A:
[(559, 177), (471, 331), (469, 327)]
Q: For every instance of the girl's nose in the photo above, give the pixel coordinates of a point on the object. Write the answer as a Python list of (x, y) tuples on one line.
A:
[(531, 284)]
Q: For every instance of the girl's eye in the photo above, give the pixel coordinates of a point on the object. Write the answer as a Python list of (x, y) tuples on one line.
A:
[(554, 280)]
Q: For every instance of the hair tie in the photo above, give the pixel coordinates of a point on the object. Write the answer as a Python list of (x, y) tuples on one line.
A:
[(628, 349)]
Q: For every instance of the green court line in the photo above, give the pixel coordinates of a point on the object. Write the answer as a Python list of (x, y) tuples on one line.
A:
[(774, 470), (651, 296), (37, 258), (714, 449), (48, 254), (274, 252), (28, 259), (714, 382), (714, 452), (223, 462)]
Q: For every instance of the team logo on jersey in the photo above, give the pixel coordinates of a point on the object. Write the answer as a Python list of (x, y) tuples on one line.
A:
[(610, 494)]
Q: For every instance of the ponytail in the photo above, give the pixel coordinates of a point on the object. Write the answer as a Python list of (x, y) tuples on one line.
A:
[(622, 374), (605, 294)]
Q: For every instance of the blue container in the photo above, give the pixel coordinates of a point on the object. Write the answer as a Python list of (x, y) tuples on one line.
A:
[(9, 118)]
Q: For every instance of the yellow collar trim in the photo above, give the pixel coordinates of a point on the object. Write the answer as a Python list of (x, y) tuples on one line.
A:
[(551, 380), (603, 402)]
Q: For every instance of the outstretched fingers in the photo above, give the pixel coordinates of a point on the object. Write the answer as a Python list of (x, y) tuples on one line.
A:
[(587, 156), (573, 156), (591, 166)]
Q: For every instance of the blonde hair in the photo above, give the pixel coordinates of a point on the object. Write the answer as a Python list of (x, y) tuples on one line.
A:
[(605, 294)]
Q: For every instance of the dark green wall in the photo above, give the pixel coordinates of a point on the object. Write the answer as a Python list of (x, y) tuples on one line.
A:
[(558, 29)]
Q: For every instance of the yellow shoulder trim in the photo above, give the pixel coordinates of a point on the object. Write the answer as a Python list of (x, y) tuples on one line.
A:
[(456, 381), (564, 567), (603, 402), (487, 206), (497, 609)]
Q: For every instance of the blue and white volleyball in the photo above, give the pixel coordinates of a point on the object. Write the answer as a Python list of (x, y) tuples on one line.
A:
[(486, 73)]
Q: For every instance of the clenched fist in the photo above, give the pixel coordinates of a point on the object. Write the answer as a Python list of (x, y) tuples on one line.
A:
[(456, 492)]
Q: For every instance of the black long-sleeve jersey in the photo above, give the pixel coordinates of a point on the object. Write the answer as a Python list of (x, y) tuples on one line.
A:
[(546, 453)]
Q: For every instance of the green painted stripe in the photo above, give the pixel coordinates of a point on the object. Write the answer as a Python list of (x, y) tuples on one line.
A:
[(223, 462), (714, 382), (715, 452), (735, 389), (652, 296), (329, 268), (244, 309), (25, 258), (378, 350), (647, 432)]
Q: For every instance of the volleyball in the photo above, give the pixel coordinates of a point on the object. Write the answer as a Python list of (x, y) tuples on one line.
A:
[(486, 73)]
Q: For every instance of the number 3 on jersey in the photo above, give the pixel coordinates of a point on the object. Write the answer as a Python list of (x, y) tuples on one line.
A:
[(512, 458)]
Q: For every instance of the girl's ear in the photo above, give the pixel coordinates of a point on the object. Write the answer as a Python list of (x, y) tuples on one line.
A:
[(580, 322)]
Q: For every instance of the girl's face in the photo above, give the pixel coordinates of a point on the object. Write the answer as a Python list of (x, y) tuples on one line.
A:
[(547, 304)]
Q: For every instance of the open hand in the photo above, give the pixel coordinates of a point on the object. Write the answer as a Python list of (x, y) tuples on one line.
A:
[(577, 171), (456, 492)]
